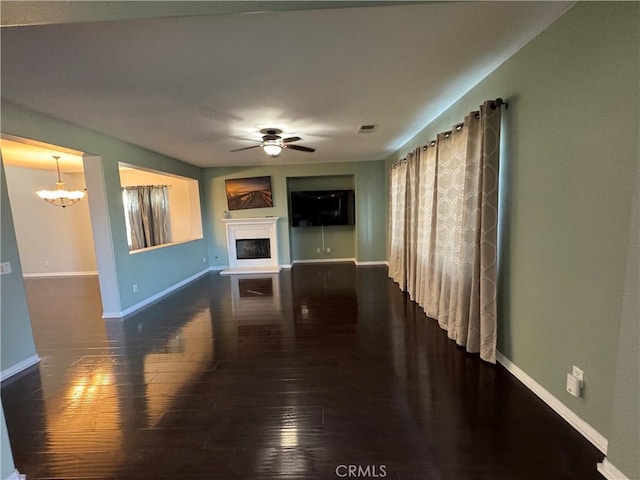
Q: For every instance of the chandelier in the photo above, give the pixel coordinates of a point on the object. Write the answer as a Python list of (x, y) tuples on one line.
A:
[(60, 197)]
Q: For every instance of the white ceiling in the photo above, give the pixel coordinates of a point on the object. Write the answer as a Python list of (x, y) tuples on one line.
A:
[(195, 87)]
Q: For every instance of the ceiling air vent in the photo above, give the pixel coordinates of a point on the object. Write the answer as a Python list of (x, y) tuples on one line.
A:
[(366, 128)]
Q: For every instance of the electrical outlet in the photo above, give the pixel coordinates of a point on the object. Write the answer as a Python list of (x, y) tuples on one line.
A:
[(5, 268), (318, 250), (574, 385), (46, 263), (204, 259), (135, 288), (579, 374), (575, 382), (328, 250)]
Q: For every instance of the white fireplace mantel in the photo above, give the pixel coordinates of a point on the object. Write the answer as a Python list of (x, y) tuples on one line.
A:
[(247, 229)]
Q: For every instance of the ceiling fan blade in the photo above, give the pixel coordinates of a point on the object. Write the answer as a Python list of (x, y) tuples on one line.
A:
[(245, 148), (291, 139), (300, 147)]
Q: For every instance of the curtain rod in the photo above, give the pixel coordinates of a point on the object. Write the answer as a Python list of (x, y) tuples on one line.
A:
[(497, 103), (139, 186)]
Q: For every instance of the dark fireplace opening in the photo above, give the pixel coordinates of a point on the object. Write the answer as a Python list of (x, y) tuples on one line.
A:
[(253, 248)]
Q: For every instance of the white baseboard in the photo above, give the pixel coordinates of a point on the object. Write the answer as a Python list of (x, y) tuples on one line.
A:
[(59, 274), (610, 472), (217, 268), (587, 431), (325, 260), (19, 367), (16, 475), (286, 266), (154, 298), (341, 260), (250, 271)]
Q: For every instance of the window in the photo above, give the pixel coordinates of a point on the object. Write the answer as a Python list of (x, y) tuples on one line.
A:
[(146, 215), (172, 204)]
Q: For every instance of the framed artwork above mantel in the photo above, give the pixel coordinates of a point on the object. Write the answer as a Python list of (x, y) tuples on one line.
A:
[(243, 193)]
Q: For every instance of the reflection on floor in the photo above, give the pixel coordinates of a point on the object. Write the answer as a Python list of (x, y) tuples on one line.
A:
[(314, 373)]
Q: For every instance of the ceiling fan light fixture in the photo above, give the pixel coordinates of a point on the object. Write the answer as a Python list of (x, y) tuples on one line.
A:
[(272, 148), (272, 143)]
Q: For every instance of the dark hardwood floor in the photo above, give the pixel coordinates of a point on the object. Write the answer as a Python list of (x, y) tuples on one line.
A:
[(323, 371)]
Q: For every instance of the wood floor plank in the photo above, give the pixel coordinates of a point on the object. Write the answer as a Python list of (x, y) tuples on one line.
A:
[(333, 369)]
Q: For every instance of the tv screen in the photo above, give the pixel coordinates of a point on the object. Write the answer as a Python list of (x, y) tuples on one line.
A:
[(323, 208)]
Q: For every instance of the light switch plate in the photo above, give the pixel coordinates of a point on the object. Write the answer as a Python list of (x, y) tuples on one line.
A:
[(579, 374)]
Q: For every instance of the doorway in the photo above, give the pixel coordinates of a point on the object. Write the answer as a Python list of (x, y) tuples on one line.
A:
[(52, 241), (55, 245)]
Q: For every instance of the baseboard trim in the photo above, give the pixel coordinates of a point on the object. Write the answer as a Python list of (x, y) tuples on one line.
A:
[(154, 298), (251, 270), (610, 472), (325, 260), (339, 260), (16, 475), (286, 266), (19, 367), (586, 430), (59, 274)]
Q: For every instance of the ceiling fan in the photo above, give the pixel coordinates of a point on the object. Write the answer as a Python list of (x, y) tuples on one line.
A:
[(272, 143)]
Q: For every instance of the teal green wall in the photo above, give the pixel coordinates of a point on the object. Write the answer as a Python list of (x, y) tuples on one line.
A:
[(568, 169), (339, 239), (325, 182), (16, 337), (369, 183), (154, 270), (305, 241), (6, 467)]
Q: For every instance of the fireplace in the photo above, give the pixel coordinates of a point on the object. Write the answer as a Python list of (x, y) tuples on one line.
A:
[(253, 248), (252, 244)]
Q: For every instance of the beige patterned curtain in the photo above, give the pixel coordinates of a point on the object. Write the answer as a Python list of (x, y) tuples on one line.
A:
[(443, 217), (397, 222)]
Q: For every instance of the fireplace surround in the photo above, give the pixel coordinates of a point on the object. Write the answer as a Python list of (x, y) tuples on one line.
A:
[(252, 244)]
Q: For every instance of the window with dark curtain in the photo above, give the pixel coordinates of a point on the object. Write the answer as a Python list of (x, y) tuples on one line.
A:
[(146, 209)]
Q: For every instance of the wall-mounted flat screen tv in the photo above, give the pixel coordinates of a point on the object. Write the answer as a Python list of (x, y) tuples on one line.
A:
[(323, 208)]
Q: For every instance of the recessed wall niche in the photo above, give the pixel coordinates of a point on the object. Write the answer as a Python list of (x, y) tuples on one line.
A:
[(185, 218), (330, 243)]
